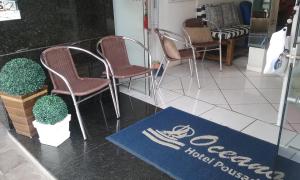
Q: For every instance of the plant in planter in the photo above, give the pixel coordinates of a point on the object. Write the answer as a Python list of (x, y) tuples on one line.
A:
[(21, 84), (52, 120)]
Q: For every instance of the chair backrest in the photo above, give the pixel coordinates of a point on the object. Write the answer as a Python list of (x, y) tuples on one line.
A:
[(114, 49), (60, 60), (169, 48), (196, 31), (194, 22)]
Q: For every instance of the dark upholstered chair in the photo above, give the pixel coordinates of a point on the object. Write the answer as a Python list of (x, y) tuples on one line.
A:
[(59, 62), (113, 49), (171, 53), (199, 35)]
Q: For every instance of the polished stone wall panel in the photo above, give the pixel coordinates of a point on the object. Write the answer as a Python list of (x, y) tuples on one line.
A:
[(49, 22), (46, 23)]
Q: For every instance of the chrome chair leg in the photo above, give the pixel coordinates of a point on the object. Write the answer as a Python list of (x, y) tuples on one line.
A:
[(159, 68), (191, 67), (116, 94), (220, 53), (163, 75), (118, 125), (79, 119), (182, 86), (129, 85), (204, 53), (152, 83), (196, 71), (114, 101), (103, 113), (153, 89)]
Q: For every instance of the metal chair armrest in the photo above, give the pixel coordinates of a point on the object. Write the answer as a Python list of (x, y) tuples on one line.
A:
[(187, 44), (177, 37), (141, 45), (187, 35), (93, 55)]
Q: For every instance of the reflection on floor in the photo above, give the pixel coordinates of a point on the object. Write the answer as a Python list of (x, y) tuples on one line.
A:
[(95, 158), (242, 100)]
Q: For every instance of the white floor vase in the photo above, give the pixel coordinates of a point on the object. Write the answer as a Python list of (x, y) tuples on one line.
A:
[(53, 135)]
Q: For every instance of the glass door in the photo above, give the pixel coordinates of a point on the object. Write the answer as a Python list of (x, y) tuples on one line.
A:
[(289, 152), (288, 158)]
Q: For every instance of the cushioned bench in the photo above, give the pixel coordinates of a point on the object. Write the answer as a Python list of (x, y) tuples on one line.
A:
[(231, 28)]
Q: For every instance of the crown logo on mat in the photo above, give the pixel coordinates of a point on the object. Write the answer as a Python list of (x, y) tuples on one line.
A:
[(170, 138)]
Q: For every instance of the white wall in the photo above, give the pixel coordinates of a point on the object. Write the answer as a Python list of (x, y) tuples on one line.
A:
[(128, 19), (171, 17)]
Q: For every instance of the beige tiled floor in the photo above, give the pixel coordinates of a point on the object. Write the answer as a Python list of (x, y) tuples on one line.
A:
[(239, 99)]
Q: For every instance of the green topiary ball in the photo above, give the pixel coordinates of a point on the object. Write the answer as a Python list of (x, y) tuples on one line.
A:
[(50, 109), (21, 76)]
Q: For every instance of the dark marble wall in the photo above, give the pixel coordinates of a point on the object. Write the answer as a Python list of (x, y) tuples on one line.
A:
[(46, 23)]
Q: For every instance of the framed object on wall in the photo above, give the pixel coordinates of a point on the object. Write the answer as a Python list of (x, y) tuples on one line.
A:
[(9, 10)]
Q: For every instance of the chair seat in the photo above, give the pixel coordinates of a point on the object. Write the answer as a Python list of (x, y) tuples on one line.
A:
[(131, 71), (84, 86), (186, 53), (206, 44), (232, 32)]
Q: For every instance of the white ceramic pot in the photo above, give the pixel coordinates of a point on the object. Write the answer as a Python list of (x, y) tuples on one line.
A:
[(53, 135)]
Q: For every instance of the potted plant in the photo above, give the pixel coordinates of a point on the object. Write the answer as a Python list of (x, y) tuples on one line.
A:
[(52, 120), (21, 84)]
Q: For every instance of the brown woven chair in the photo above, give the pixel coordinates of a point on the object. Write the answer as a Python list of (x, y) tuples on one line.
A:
[(171, 53), (59, 62), (113, 49), (199, 35)]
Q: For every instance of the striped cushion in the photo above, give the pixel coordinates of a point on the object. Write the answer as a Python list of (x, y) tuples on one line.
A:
[(232, 32), (200, 12)]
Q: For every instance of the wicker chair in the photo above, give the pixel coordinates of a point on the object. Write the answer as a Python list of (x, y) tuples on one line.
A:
[(59, 62), (171, 53), (199, 35), (113, 49)]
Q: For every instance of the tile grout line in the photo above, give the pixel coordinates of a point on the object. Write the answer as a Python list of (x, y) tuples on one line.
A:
[(181, 95), (293, 155), (291, 126), (262, 96), (219, 89), (207, 111), (291, 140), (248, 125), (257, 89)]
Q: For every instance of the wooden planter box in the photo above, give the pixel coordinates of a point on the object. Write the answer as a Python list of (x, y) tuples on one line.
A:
[(19, 109)]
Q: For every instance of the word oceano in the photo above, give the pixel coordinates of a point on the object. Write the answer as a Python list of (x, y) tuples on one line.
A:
[(208, 140)]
